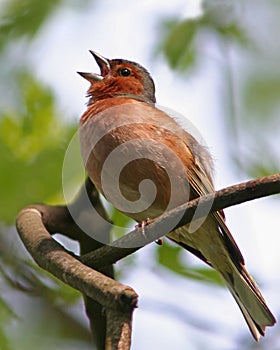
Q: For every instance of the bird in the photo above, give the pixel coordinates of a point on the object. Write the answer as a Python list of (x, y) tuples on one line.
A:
[(144, 162)]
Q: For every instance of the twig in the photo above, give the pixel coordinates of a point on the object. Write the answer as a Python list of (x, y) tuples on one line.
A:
[(182, 215), (51, 256), (35, 224)]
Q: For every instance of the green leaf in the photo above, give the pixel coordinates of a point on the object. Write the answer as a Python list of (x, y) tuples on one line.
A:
[(122, 224), (170, 257), (261, 96), (33, 141), (34, 125), (224, 18), (23, 18), (234, 31), (177, 46)]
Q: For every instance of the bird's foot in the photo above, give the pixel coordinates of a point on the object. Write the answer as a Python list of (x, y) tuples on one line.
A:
[(141, 225)]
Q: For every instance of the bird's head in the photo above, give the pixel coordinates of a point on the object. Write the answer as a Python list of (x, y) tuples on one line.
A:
[(119, 78)]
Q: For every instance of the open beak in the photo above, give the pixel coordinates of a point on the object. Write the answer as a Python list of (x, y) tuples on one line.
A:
[(103, 64)]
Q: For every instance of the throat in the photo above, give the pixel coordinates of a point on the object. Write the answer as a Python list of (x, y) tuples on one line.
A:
[(93, 100)]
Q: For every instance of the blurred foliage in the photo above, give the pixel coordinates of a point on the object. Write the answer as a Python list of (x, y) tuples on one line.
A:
[(177, 44), (23, 18), (170, 256), (259, 160), (251, 82), (24, 275), (7, 315), (122, 223), (266, 87), (29, 296), (33, 141), (180, 42)]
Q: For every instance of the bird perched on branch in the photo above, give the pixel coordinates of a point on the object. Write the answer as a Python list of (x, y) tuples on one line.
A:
[(145, 163)]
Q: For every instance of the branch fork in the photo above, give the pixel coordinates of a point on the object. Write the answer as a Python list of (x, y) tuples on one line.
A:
[(92, 272)]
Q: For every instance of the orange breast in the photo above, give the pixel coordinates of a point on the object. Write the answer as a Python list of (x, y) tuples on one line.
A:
[(138, 157)]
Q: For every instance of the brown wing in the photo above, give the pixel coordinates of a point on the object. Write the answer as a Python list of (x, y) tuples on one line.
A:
[(201, 182)]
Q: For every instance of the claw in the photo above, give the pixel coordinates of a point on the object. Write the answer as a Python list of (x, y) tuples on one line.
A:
[(141, 225)]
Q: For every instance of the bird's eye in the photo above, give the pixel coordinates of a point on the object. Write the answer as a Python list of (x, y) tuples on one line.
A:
[(124, 72)]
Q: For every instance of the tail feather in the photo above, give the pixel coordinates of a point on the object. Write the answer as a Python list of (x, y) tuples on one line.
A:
[(215, 246), (250, 301), (256, 330)]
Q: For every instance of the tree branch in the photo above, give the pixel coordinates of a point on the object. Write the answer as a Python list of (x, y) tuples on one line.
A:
[(119, 327), (182, 215), (51, 256), (87, 208), (35, 225)]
